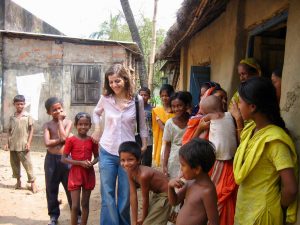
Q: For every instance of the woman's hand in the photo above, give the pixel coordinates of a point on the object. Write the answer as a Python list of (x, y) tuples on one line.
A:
[(235, 112), (96, 136), (203, 125), (143, 149), (144, 145)]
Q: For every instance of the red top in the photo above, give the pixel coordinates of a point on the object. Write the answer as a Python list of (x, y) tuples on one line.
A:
[(80, 149)]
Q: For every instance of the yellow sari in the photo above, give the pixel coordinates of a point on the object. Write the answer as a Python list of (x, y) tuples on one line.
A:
[(256, 164), (158, 113)]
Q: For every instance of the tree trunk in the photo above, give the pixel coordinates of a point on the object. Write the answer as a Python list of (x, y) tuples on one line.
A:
[(153, 46), (136, 38)]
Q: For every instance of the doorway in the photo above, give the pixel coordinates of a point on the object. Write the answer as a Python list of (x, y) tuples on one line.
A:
[(266, 43)]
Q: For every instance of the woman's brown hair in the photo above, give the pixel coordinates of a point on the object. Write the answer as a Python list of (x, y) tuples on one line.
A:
[(123, 73)]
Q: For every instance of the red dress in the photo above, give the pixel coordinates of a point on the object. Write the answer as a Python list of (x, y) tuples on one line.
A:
[(80, 149)]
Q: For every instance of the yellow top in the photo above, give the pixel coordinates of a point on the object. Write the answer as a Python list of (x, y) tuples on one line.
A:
[(158, 113), (256, 164)]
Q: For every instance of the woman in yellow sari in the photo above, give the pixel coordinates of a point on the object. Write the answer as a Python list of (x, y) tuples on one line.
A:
[(265, 164), (160, 115)]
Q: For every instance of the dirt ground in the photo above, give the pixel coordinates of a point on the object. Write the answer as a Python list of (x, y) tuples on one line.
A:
[(21, 207)]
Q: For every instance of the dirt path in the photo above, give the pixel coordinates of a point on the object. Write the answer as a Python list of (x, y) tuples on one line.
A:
[(21, 207)]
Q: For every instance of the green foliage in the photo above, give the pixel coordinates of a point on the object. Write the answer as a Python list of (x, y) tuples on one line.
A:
[(155, 101), (116, 28)]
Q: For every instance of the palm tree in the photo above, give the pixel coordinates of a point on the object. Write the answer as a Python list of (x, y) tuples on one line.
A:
[(136, 38)]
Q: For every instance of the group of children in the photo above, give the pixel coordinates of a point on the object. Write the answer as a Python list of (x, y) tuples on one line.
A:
[(60, 143), (199, 171)]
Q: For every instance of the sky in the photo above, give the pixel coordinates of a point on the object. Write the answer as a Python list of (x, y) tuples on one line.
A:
[(80, 18)]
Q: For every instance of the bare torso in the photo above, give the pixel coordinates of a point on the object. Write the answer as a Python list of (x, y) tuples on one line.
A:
[(193, 211), (158, 182), (52, 127)]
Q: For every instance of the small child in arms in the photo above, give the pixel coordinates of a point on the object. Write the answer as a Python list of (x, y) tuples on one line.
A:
[(156, 208), (199, 194)]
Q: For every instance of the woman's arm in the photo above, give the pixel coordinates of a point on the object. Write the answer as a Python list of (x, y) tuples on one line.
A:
[(202, 126), (289, 187), (98, 121), (236, 114), (160, 124)]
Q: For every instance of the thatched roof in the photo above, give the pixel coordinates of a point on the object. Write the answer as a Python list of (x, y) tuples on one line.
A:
[(193, 16)]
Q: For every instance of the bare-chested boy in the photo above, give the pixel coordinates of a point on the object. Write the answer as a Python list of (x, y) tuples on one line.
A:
[(55, 133), (199, 194), (156, 208)]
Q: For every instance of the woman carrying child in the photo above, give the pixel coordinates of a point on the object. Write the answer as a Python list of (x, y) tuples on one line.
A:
[(265, 164), (160, 115), (118, 105), (82, 174)]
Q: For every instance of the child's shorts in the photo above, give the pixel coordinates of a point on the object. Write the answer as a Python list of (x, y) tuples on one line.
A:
[(81, 177)]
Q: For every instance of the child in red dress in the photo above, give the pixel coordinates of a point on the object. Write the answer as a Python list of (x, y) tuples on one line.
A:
[(82, 174)]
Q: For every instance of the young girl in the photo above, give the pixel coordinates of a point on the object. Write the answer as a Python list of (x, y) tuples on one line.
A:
[(82, 174), (117, 108), (160, 115), (265, 163), (173, 132)]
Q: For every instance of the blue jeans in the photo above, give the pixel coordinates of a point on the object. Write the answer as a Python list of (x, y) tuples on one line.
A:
[(113, 212)]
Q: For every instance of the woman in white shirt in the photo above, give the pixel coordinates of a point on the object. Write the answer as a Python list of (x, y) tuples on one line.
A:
[(117, 108)]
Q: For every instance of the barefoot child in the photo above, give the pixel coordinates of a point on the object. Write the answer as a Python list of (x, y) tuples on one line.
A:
[(19, 141), (55, 133), (199, 194), (153, 183), (82, 174)]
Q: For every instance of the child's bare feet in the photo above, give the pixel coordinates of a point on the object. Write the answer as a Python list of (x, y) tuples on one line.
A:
[(18, 185), (34, 188)]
